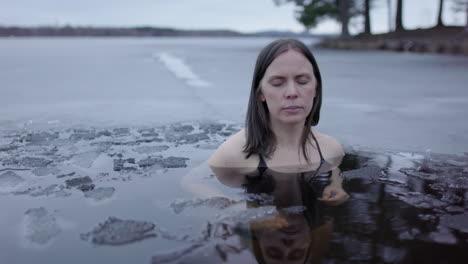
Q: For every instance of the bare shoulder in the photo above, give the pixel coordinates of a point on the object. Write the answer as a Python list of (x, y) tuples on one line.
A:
[(228, 162), (230, 153), (330, 146)]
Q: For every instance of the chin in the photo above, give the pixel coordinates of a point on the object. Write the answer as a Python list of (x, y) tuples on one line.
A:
[(292, 120)]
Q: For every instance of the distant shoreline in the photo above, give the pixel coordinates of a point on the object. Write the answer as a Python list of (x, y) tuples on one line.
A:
[(442, 40), (69, 31)]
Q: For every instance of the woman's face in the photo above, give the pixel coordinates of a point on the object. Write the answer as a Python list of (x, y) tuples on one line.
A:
[(289, 87), (285, 245)]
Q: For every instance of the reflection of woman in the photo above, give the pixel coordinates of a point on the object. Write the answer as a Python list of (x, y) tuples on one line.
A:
[(284, 105), (299, 233)]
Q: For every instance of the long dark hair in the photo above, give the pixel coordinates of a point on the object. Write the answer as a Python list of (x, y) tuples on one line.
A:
[(260, 137)]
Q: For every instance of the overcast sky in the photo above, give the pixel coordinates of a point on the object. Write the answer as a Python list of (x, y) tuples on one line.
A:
[(240, 15)]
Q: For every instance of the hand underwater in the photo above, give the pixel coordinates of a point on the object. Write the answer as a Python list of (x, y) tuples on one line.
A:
[(334, 195)]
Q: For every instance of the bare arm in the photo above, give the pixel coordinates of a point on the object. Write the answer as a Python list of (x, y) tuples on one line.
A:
[(228, 162), (336, 179), (334, 194), (197, 183)]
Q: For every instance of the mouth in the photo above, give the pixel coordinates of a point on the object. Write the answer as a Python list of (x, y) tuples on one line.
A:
[(292, 107), (290, 230)]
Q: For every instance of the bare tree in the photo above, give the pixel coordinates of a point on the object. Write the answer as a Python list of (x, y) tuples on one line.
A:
[(343, 6), (399, 16), (367, 21), (439, 16), (389, 6)]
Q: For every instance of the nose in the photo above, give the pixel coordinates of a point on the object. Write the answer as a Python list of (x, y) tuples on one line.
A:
[(287, 242), (291, 91)]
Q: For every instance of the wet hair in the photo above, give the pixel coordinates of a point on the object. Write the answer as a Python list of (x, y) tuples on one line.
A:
[(260, 137)]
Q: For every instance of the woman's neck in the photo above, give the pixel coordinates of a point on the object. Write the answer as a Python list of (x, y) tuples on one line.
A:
[(288, 136)]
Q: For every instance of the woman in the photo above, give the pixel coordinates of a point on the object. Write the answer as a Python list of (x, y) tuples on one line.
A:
[(284, 105)]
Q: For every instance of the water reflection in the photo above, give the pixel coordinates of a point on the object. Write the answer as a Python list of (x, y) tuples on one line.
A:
[(300, 232), (279, 219)]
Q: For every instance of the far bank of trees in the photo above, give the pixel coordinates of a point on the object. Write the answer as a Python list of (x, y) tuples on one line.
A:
[(311, 12)]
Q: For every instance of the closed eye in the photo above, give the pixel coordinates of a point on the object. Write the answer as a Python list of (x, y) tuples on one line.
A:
[(277, 82), (303, 79)]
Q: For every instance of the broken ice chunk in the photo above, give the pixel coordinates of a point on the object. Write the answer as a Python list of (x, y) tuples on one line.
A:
[(43, 171), (34, 162), (100, 193), (214, 202), (82, 183), (10, 179), (115, 231), (86, 159), (40, 226)]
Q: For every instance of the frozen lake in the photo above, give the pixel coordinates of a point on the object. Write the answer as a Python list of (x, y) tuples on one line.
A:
[(98, 137), (371, 99)]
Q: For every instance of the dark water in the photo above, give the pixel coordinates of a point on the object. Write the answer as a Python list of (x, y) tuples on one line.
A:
[(127, 195), (415, 214), (421, 221)]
